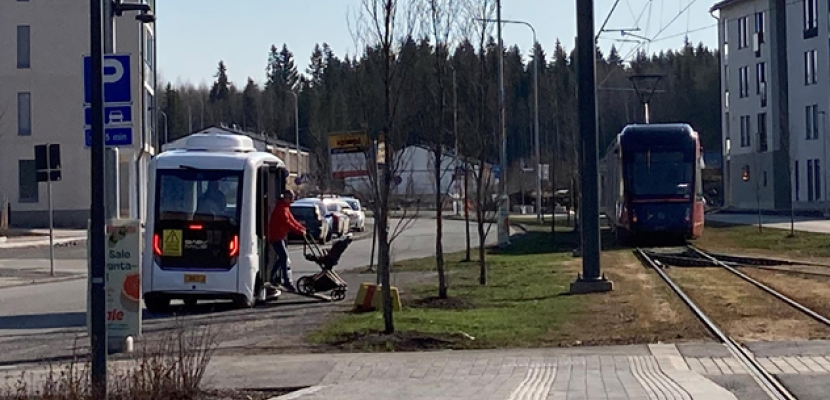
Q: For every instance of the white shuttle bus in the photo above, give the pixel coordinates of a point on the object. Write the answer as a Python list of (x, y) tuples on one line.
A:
[(209, 204)]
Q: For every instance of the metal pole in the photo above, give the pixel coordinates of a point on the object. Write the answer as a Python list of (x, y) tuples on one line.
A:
[(824, 156), (586, 94), (504, 210), (297, 130), (98, 327), (111, 180), (51, 221), (536, 129)]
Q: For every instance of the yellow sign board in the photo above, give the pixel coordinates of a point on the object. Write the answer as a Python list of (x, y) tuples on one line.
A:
[(349, 142), (171, 243)]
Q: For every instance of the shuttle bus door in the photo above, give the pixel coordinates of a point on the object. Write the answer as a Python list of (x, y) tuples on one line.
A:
[(263, 212)]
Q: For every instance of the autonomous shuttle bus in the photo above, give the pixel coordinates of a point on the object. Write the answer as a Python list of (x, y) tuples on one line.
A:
[(207, 221)]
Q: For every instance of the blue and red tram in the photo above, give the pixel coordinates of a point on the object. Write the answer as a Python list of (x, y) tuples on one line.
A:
[(650, 182)]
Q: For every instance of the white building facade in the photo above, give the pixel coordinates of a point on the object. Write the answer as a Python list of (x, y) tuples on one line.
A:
[(758, 171), (42, 45)]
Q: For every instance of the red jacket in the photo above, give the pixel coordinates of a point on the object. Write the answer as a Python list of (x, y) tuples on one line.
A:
[(281, 222)]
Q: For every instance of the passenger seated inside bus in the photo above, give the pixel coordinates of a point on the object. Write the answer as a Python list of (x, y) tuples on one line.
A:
[(212, 203)]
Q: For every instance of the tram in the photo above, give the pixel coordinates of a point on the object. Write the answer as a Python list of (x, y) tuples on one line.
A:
[(650, 182)]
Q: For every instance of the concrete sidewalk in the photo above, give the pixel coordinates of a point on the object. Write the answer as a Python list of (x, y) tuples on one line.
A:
[(586, 373)]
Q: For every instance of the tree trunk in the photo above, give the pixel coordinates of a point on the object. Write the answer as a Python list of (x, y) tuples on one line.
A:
[(480, 213), (467, 212), (439, 225), (553, 198)]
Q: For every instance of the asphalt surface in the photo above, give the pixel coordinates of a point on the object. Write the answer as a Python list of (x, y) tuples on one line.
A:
[(43, 321)]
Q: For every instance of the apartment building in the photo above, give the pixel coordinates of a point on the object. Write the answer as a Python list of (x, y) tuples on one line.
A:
[(757, 168), (42, 44)]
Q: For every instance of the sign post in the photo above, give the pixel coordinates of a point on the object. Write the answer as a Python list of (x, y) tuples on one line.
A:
[(48, 165)]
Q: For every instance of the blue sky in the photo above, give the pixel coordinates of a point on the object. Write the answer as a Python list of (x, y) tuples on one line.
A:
[(193, 35)]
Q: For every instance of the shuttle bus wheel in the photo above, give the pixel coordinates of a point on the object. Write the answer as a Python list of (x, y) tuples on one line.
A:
[(157, 304), (243, 301)]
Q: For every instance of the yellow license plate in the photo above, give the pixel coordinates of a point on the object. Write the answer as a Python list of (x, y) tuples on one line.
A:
[(194, 278)]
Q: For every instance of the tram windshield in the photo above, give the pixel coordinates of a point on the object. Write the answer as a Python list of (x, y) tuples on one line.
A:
[(660, 174)]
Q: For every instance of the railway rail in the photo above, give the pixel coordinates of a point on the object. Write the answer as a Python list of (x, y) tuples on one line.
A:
[(692, 256)]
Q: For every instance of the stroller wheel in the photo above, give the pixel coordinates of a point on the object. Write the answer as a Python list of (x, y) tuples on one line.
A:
[(304, 285), (338, 294)]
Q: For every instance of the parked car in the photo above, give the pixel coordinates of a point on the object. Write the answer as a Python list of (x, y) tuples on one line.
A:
[(358, 215), (342, 222), (312, 214)]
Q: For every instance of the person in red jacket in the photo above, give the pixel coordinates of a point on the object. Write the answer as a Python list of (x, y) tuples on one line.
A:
[(279, 224)]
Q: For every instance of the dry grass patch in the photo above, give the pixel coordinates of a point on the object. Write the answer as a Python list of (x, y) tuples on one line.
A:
[(742, 310)]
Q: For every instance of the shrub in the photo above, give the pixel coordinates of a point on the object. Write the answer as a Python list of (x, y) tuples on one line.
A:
[(170, 367)]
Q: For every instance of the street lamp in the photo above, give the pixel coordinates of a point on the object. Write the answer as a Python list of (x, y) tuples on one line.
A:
[(296, 129), (536, 145)]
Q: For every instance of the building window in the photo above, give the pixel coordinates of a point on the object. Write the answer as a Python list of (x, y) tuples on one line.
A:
[(811, 121), (24, 114), (743, 32), (810, 68), (810, 180), (759, 26), (746, 130), (743, 76), (27, 187), (765, 178), (762, 132), (23, 47), (760, 77), (797, 183), (817, 178), (810, 18)]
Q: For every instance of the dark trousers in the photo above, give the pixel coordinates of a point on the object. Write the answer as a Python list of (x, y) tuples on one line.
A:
[(281, 268)]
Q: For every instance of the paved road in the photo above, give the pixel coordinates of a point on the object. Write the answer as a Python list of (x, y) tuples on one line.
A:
[(39, 321)]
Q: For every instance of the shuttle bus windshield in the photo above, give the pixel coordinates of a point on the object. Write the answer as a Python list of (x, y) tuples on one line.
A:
[(197, 218), (660, 174)]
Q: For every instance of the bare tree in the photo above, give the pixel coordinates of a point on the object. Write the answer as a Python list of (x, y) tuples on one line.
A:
[(381, 28), (482, 139), (440, 21)]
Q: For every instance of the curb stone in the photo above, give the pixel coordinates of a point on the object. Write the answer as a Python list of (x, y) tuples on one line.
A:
[(299, 393), (40, 242)]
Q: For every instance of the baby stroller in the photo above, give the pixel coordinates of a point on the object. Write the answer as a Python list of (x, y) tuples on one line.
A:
[(325, 280)]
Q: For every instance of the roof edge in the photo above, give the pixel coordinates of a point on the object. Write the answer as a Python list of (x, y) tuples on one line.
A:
[(723, 4)]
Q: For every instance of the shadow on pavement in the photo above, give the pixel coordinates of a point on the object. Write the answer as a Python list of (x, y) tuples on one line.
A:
[(44, 321)]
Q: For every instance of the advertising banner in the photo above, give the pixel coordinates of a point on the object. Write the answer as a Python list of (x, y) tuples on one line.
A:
[(348, 152), (123, 278)]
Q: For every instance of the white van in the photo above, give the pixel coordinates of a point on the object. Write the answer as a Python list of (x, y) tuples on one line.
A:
[(209, 204)]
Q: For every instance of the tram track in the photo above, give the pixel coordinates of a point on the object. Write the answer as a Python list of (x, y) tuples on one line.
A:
[(695, 257)]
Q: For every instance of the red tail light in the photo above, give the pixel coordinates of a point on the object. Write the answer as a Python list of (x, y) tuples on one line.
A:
[(156, 244), (234, 246), (195, 227)]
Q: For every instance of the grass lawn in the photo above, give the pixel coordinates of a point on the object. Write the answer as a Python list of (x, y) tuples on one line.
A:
[(746, 239), (525, 304)]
